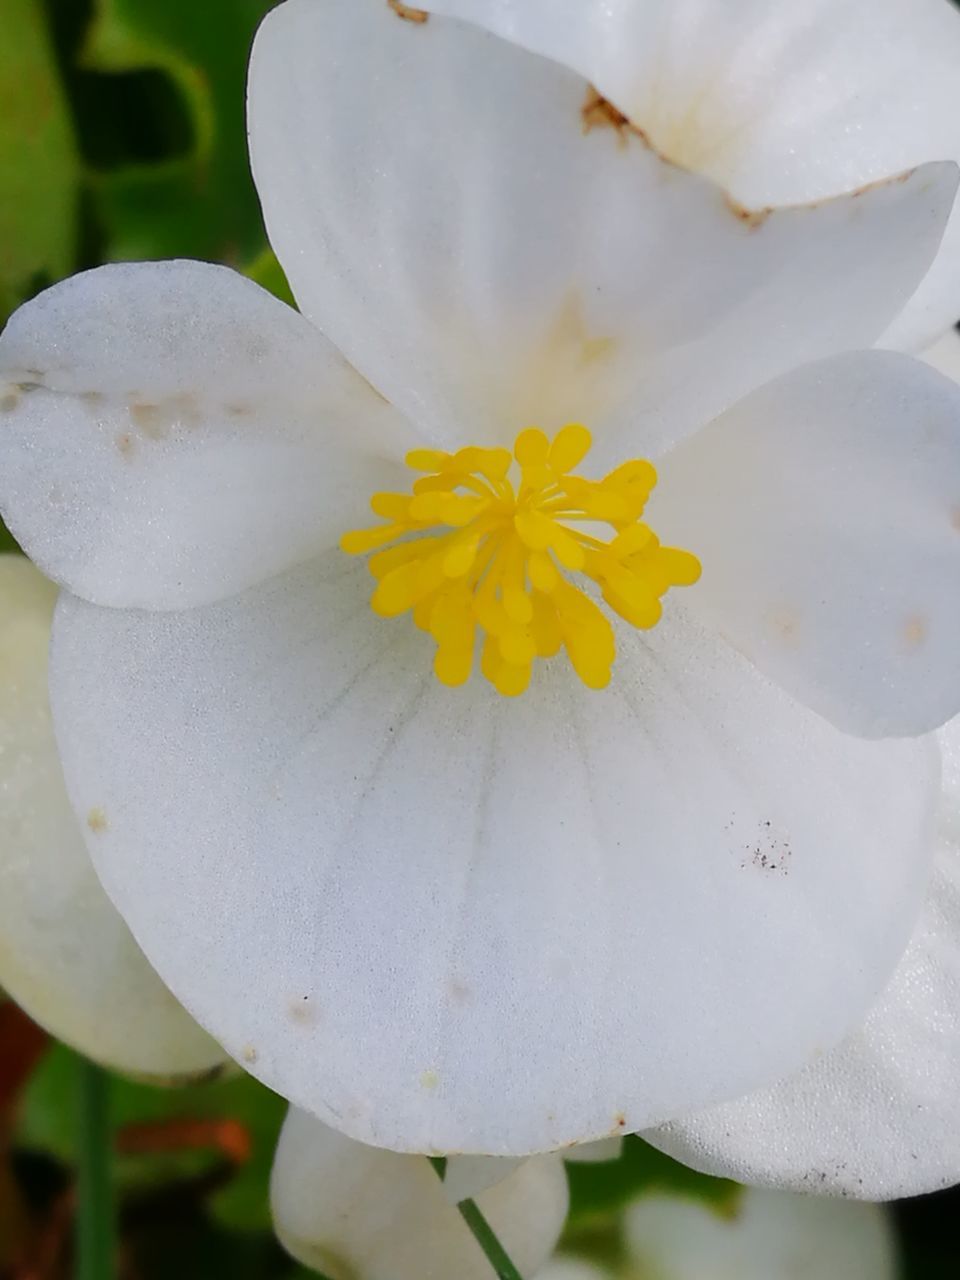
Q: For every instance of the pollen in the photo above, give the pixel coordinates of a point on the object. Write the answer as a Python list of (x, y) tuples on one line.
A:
[(511, 554)]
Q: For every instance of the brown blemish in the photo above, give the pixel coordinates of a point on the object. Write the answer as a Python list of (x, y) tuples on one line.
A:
[(620, 1121), (249, 1054), (751, 218), (27, 387), (237, 410), (9, 402), (460, 993), (302, 1011), (97, 821), (125, 445), (150, 419), (785, 621), (599, 112), (92, 397), (408, 13), (913, 633), (955, 518)]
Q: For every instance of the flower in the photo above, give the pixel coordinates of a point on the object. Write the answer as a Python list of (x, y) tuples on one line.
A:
[(353, 1211), (876, 1117), (65, 954), (441, 919), (769, 1236)]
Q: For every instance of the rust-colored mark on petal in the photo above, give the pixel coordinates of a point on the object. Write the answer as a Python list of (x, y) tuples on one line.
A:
[(599, 112), (125, 445), (407, 12), (753, 219), (97, 821), (620, 1121), (9, 402), (913, 633)]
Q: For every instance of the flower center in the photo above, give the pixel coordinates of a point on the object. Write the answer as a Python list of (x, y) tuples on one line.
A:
[(475, 549)]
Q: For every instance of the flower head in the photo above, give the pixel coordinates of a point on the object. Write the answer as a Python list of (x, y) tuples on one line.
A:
[(437, 918)]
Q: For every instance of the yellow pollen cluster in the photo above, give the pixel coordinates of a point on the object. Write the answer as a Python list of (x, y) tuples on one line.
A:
[(475, 550)]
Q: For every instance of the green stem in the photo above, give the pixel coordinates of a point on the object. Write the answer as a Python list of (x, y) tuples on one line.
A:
[(483, 1233), (95, 1240)]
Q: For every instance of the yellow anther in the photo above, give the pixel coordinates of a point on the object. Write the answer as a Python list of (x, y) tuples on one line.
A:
[(474, 551)]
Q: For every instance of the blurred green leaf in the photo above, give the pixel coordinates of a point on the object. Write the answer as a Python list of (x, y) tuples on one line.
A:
[(39, 166), (46, 1125), (200, 201)]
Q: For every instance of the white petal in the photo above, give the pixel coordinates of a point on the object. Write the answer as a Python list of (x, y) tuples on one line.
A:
[(945, 355), (488, 261), (467, 1176), (360, 1213), (779, 103), (595, 1152), (171, 434), (772, 1236), (825, 509), (879, 1116), (443, 920), (65, 954)]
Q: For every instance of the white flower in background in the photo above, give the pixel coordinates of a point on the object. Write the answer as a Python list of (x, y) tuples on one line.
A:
[(877, 1117), (769, 1235), (437, 918), (360, 1213), (65, 954)]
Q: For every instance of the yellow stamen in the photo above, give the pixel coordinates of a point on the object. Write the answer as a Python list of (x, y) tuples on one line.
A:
[(480, 553)]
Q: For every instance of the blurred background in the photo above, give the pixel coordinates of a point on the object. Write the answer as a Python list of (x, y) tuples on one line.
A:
[(122, 136)]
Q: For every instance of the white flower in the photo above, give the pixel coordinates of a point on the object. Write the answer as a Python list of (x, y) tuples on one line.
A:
[(771, 1236), (877, 1117), (768, 1235), (436, 918), (360, 1213), (65, 954)]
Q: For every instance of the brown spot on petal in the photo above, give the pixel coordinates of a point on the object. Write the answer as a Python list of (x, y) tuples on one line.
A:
[(460, 993), (125, 445), (753, 219), (97, 821), (599, 112), (150, 419), (92, 397), (303, 1011), (955, 518), (9, 402), (785, 621), (407, 12), (249, 1054), (913, 633)]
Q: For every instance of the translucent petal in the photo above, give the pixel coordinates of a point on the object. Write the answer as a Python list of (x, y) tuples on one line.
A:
[(65, 954)]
